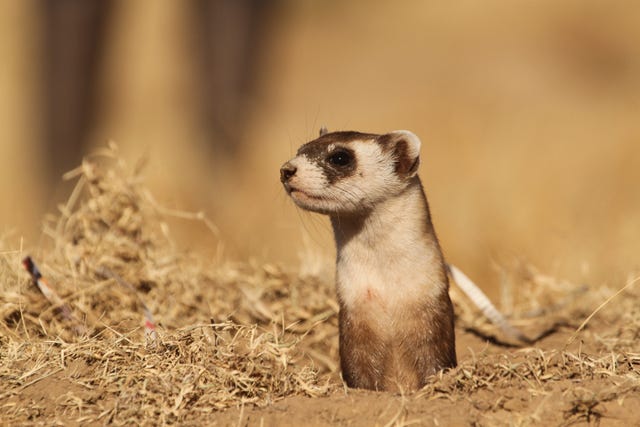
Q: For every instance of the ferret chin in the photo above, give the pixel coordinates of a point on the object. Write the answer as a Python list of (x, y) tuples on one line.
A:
[(396, 318)]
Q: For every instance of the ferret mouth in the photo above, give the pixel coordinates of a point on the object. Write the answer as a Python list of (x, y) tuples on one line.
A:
[(310, 202), (299, 194)]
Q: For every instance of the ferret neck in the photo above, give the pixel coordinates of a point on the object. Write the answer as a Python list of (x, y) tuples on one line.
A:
[(404, 214)]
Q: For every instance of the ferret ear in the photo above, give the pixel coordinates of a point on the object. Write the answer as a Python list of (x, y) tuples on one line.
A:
[(323, 131), (406, 149)]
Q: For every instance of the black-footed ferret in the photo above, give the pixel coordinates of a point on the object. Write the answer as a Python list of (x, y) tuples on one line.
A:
[(396, 318)]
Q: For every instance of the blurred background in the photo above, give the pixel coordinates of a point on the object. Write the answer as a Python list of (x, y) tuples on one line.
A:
[(529, 113)]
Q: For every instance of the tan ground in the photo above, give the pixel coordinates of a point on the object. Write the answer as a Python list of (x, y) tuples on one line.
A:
[(245, 344)]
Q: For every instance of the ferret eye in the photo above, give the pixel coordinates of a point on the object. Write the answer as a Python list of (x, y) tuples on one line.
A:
[(340, 158)]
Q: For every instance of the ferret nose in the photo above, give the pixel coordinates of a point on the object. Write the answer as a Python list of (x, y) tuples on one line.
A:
[(287, 171)]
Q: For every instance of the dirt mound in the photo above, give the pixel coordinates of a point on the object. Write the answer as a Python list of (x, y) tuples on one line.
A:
[(142, 332)]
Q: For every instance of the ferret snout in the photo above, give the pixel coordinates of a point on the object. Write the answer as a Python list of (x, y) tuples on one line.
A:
[(287, 171)]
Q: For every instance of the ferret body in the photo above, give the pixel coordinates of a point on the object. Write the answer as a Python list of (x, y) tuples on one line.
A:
[(396, 318)]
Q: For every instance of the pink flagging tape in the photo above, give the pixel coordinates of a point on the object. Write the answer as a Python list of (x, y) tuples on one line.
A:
[(149, 325)]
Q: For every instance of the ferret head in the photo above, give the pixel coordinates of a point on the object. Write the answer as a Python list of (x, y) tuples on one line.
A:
[(350, 172)]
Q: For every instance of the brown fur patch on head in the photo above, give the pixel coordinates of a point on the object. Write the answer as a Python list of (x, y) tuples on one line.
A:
[(319, 153), (320, 150), (338, 137)]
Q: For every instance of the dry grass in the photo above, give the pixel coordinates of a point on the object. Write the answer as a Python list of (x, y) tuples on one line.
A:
[(253, 337)]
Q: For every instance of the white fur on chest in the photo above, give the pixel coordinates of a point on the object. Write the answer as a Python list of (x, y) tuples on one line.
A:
[(390, 262)]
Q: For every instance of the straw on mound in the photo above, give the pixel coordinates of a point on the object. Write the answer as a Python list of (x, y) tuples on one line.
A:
[(220, 338), (232, 334)]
